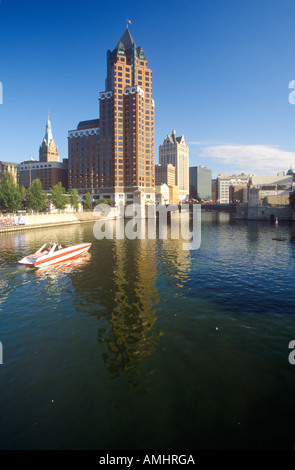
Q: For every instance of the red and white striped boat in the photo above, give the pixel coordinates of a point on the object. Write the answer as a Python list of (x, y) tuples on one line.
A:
[(53, 253)]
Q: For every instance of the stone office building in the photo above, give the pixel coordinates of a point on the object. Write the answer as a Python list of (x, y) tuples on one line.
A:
[(175, 151), (165, 174), (10, 168)]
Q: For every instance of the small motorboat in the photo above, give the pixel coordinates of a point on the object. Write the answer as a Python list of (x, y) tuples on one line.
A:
[(53, 253)]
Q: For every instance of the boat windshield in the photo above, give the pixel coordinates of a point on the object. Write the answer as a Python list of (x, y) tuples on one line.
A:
[(48, 247)]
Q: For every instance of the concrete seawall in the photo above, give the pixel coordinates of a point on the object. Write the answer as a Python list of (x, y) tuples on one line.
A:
[(42, 220), (264, 213)]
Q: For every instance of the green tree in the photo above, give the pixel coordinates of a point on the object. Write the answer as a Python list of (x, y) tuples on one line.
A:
[(87, 202), (36, 196), (11, 195), (74, 198), (104, 200), (58, 197)]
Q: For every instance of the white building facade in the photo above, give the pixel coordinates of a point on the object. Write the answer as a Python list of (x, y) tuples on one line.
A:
[(224, 182), (175, 151)]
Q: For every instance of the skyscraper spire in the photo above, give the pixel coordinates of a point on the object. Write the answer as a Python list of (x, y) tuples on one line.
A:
[(126, 41)]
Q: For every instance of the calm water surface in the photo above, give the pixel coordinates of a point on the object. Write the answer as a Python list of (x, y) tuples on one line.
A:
[(141, 345)]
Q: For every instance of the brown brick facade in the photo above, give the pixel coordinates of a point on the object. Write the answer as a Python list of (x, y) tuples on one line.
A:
[(120, 153)]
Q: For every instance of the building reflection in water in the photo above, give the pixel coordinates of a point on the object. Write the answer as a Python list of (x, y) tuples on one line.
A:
[(120, 287), (131, 307)]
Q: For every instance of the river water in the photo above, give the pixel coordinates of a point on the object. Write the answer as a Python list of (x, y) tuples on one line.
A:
[(143, 345)]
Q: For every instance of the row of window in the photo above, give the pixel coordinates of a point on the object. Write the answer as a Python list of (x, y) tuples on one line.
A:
[(34, 166), (115, 168), (91, 133)]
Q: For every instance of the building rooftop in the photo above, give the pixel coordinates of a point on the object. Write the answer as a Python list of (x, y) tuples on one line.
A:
[(262, 180), (8, 163), (126, 40), (91, 123), (126, 44)]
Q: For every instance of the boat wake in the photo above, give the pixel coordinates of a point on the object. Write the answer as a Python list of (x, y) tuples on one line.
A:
[(65, 268)]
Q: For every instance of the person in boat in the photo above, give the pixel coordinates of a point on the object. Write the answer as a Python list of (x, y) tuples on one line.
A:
[(48, 247)]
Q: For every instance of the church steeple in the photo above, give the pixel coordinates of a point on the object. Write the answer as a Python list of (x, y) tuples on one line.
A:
[(48, 133), (48, 151)]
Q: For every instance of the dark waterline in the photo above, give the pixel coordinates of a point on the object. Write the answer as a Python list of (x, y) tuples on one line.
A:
[(142, 345)]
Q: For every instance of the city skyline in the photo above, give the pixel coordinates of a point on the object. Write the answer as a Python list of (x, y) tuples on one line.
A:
[(221, 75)]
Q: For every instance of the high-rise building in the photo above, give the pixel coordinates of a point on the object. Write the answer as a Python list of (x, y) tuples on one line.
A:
[(175, 151), (83, 152), (165, 174), (123, 149), (200, 179), (48, 151), (127, 123)]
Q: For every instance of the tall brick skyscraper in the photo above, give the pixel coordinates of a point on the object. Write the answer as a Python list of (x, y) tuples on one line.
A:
[(121, 159), (127, 123)]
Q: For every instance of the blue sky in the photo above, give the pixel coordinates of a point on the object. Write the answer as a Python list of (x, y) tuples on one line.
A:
[(221, 71)]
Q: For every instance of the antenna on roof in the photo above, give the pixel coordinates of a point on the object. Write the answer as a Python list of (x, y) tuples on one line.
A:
[(128, 22)]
